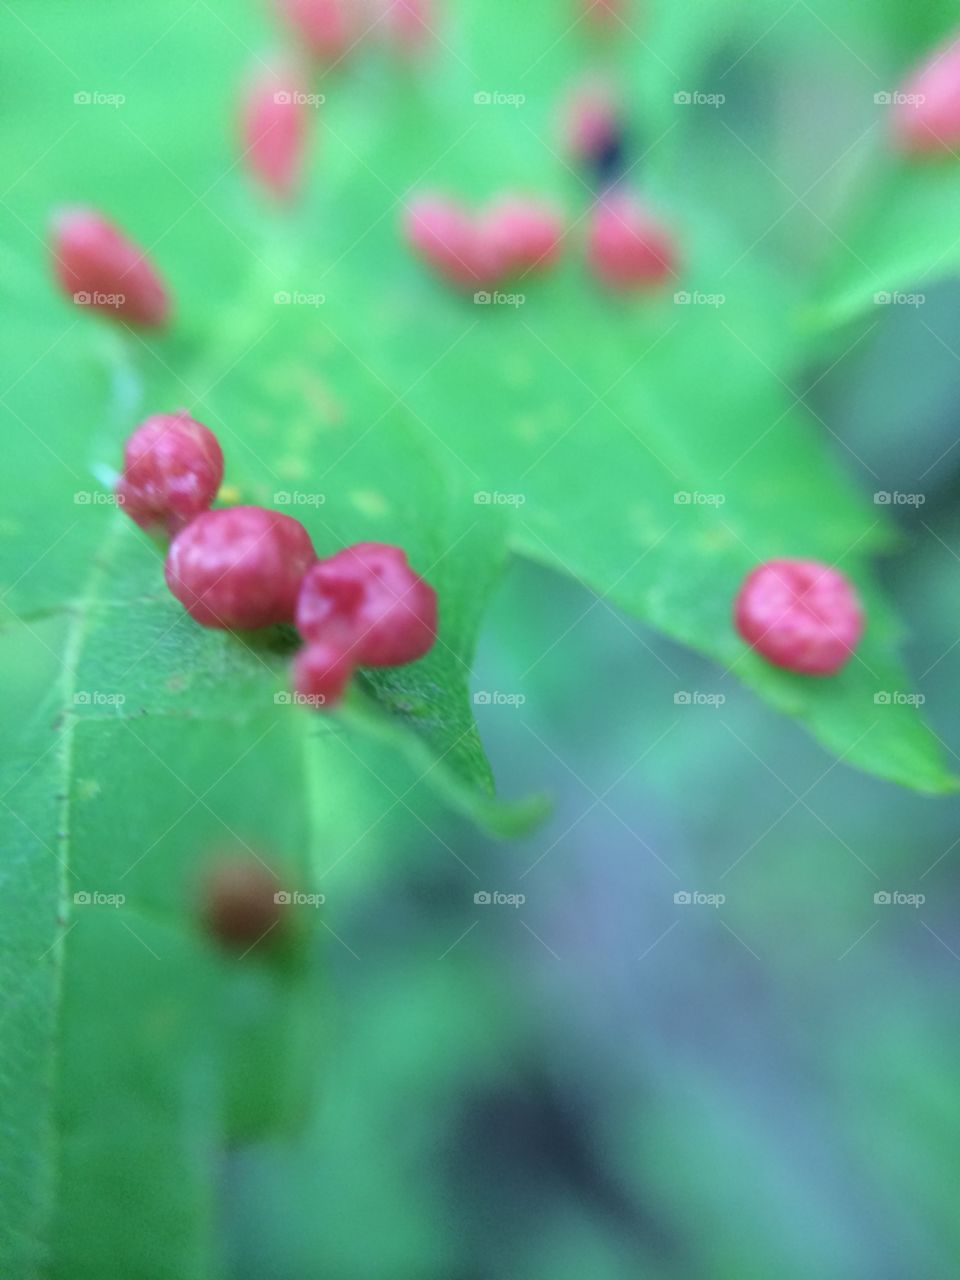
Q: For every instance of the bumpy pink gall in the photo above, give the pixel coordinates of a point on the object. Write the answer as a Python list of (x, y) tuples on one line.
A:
[(98, 267), (627, 247), (926, 112), (239, 567), (274, 125), (799, 614), (321, 673), (367, 601), (172, 470)]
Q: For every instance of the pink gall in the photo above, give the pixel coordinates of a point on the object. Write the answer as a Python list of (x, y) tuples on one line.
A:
[(327, 28), (97, 266), (446, 238), (604, 13), (627, 247), (321, 673), (926, 112), (239, 567), (367, 601), (407, 24), (799, 614), (274, 122), (172, 470), (521, 236), (590, 122)]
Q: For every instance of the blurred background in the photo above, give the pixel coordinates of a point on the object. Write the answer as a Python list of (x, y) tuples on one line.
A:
[(701, 1021)]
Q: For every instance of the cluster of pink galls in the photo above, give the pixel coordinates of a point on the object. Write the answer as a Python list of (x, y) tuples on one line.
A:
[(245, 567), (627, 248)]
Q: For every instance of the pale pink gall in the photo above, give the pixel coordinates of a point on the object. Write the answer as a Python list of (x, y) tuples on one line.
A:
[(98, 267), (627, 247), (590, 120), (447, 238), (367, 601), (172, 470), (520, 235), (926, 111), (604, 13), (274, 122), (239, 567), (407, 24), (799, 614), (327, 28)]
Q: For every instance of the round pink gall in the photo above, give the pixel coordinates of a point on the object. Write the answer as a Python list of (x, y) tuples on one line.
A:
[(799, 614), (172, 470), (239, 567)]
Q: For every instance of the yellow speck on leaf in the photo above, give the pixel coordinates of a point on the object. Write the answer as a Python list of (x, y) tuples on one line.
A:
[(369, 502)]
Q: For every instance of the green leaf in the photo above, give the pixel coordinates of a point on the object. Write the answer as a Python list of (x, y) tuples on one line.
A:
[(872, 221), (391, 410), (593, 419), (904, 229)]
